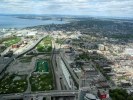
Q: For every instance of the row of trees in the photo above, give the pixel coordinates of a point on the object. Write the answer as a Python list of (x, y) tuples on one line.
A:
[(120, 94)]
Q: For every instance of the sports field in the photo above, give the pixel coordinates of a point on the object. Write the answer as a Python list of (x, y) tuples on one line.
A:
[(41, 66)]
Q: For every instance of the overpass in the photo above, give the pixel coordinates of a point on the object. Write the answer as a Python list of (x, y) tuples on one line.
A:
[(20, 54), (52, 93)]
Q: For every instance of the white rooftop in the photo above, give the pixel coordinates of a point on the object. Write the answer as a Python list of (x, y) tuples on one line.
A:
[(91, 96)]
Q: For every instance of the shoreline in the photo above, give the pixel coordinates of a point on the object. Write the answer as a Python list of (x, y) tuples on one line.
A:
[(13, 22)]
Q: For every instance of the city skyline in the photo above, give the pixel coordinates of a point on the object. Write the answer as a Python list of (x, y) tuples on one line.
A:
[(109, 8)]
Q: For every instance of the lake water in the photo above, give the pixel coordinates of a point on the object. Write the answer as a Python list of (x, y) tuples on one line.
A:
[(14, 22)]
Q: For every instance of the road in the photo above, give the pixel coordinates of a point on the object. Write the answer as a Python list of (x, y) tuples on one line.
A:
[(75, 78), (56, 73), (18, 55), (53, 93), (61, 83), (57, 93), (55, 68), (29, 85), (63, 77)]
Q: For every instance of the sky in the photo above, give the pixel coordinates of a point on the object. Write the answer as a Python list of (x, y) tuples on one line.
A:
[(112, 8)]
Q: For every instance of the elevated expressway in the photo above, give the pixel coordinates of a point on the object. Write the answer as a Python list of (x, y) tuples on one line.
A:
[(18, 55), (53, 93)]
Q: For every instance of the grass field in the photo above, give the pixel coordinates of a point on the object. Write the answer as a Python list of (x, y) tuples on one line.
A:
[(42, 65), (42, 81), (11, 41), (13, 84), (45, 45)]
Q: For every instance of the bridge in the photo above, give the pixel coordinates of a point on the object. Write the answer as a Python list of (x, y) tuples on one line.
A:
[(52, 93)]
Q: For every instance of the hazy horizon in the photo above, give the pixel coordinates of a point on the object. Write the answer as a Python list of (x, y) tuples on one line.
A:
[(67, 15), (98, 8)]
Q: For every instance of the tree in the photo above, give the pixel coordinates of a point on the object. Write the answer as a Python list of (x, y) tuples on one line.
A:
[(120, 94)]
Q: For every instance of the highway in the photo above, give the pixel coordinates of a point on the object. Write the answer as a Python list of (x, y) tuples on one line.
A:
[(61, 80), (61, 83), (63, 74), (53, 93), (75, 78), (18, 55), (55, 69)]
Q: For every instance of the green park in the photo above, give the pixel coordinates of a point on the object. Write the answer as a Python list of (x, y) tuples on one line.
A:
[(10, 41), (6, 42), (45, 45), (13, 84), (42, 78), (41, 66)]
